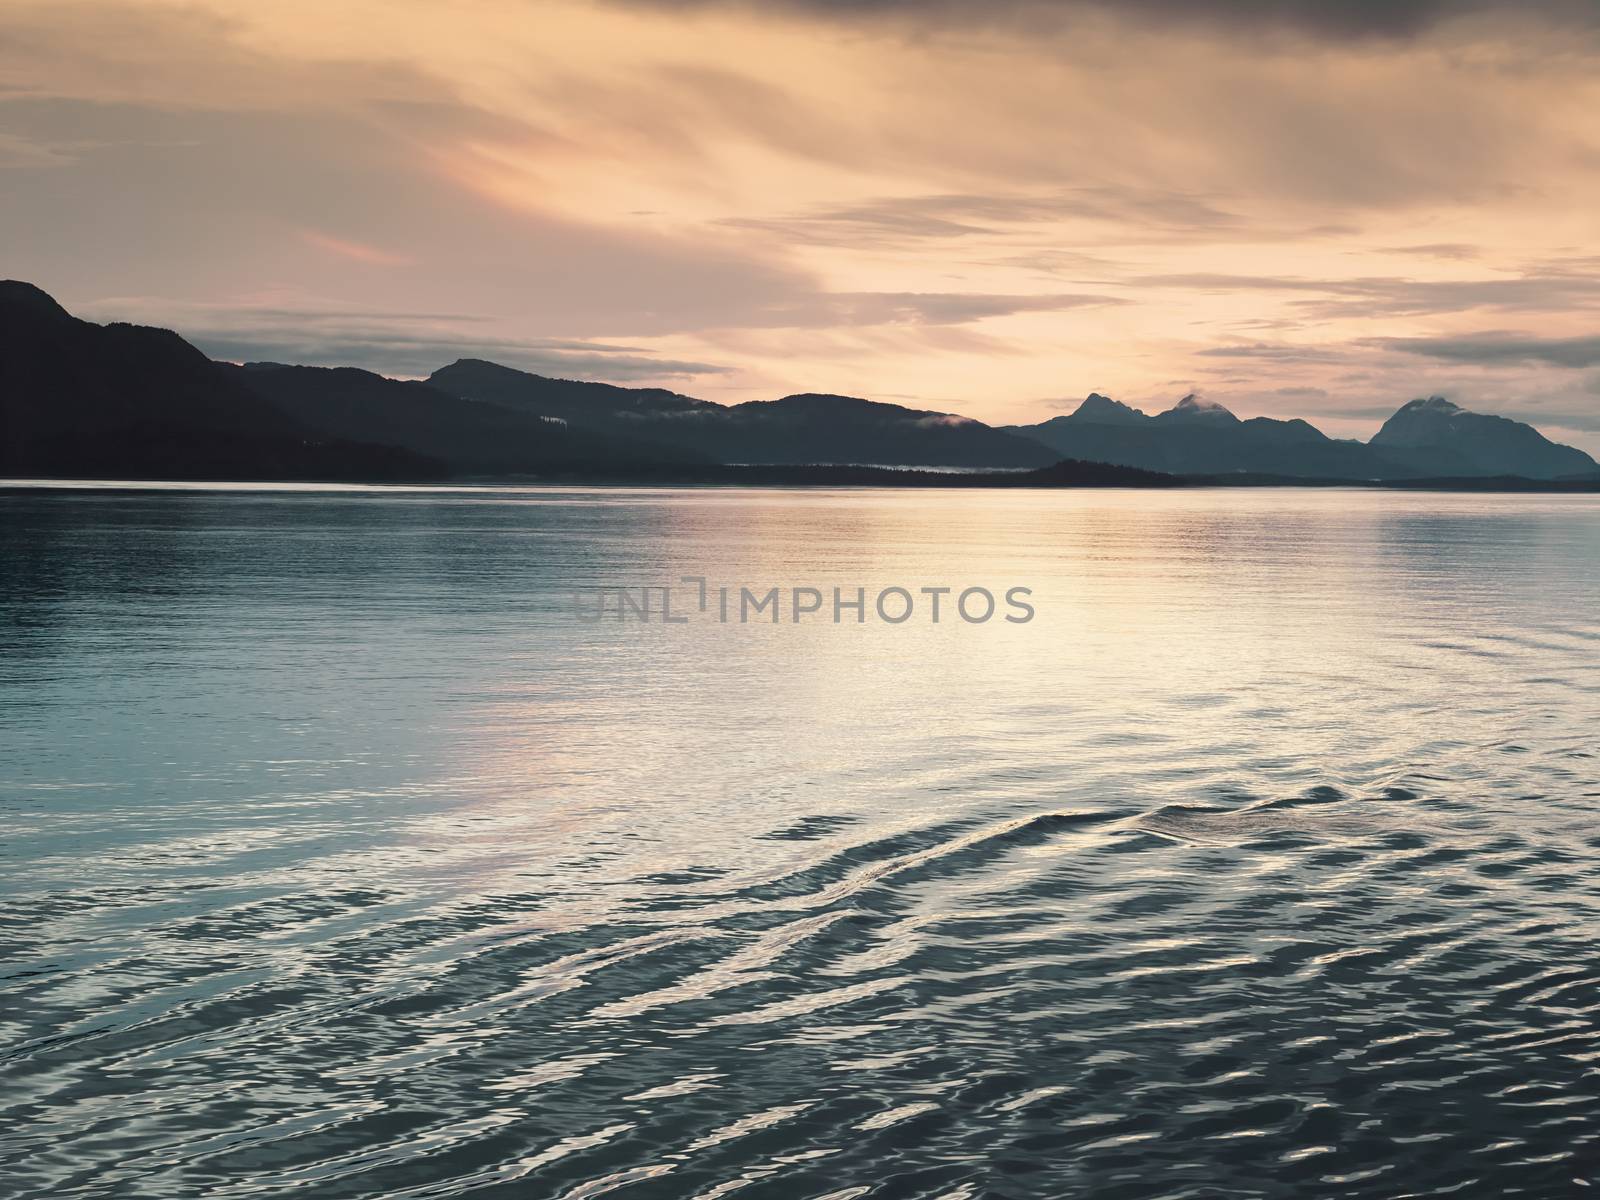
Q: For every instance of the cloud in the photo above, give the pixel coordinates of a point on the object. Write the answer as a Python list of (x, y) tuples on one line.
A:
[(201, 205), (408, 355), (1400, 296), (20, 153), (1496, 349), (396, 344), (898, 220), (1333, 19), (356, 251), (1450, 250), (1277, 352), (854, 309), (1585, 422), (416, 343)]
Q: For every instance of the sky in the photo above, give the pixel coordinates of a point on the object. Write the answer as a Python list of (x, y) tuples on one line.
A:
[(1317, 208)]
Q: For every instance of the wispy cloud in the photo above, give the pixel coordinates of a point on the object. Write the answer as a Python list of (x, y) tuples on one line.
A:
[(1497, 348), (1457, 251), (900, 220), (855, 309), (391, 343), (1332, 19), (1277, 352), (19, 152), (356, 251), (1400, 296)]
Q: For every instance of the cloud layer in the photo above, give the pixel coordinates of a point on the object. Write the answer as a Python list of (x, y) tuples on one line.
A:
[(1492, 349), (1341, 19)]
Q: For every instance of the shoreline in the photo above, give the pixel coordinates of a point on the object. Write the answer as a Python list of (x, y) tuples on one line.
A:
[(1064, 476)]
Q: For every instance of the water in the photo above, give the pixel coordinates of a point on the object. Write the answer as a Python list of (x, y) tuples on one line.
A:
[(341, 859)]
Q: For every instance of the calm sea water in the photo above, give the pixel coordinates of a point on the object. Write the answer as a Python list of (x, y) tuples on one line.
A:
[(340, 859)]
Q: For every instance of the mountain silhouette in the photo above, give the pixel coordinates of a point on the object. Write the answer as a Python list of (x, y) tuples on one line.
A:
[(1425, 439), (1192, 410), (1435, 437), (471, 437), (1196, 438), (1103, 410), (130, 401), (798, 429), (570, 399)]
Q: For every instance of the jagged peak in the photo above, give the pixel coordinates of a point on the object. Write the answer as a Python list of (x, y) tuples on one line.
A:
[(1103, 410)]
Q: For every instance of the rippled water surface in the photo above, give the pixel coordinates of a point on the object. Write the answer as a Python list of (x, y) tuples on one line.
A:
[(340, 859)]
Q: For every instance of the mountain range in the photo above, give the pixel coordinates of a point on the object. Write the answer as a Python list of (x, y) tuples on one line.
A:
[(806, 428), (1425, 439), (119, 400)]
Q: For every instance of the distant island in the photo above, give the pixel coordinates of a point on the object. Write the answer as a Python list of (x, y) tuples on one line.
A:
[(119, 401)]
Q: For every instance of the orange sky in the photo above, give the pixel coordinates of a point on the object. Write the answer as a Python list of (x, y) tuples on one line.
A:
[(991, 208)]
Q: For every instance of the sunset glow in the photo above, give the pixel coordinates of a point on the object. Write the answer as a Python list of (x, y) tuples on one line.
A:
[(990, 209)]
